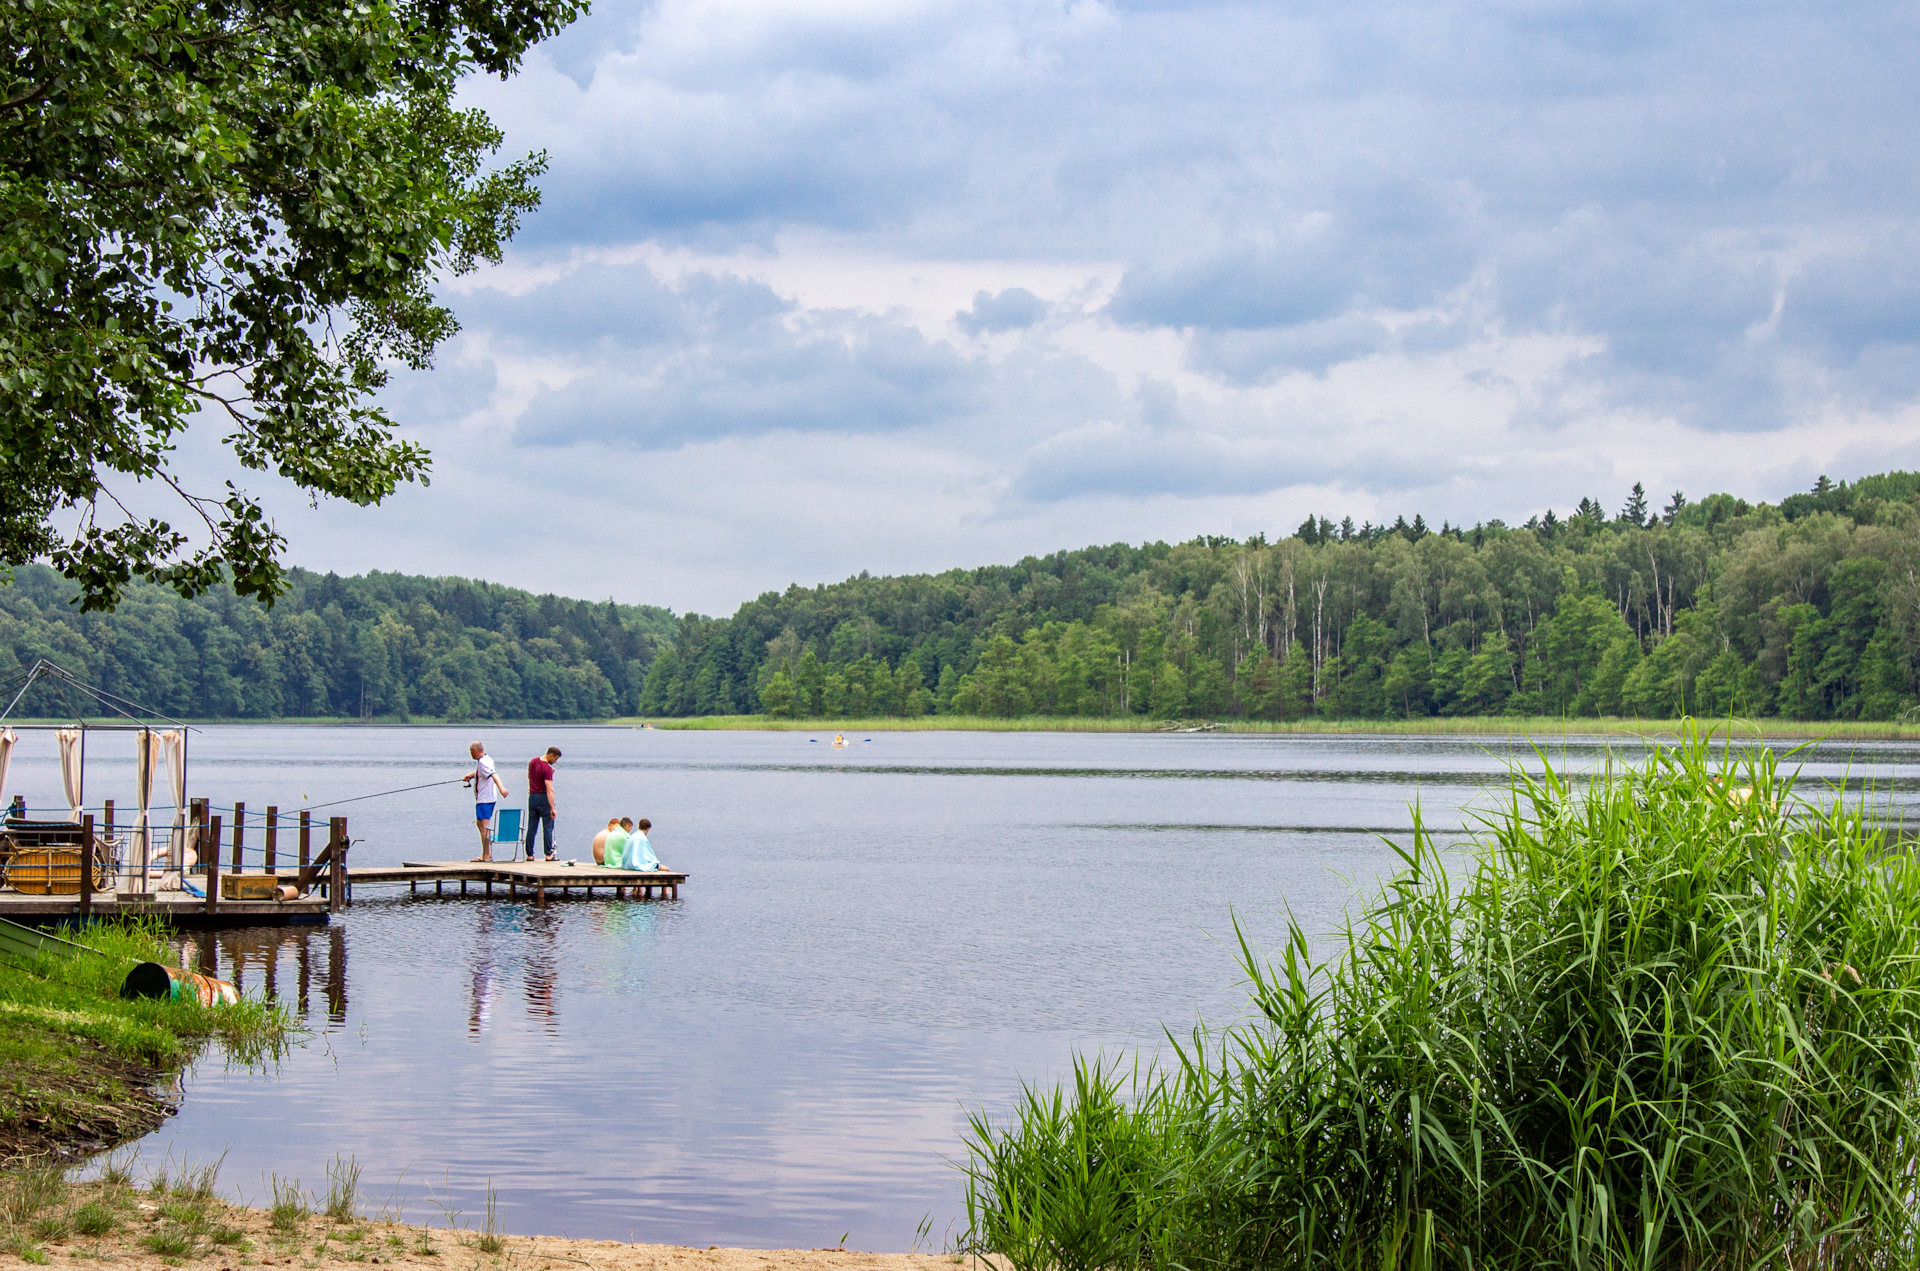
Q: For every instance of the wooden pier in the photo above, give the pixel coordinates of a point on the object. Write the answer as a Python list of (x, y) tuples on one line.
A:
[(253, 890)]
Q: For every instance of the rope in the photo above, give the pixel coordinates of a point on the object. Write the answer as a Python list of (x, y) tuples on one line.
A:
[(382, 794)]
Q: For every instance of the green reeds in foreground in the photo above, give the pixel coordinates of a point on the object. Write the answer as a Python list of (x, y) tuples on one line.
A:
[(1666, 1019)]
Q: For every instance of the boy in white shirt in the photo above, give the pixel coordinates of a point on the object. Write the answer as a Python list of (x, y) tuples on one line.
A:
[(480, 778)]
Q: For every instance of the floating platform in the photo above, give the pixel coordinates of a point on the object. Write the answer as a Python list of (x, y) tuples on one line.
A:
[(534, 878)]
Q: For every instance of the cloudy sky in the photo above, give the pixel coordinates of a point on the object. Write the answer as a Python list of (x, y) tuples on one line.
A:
[(829, 285)]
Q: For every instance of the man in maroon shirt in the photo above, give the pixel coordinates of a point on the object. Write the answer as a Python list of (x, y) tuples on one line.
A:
[(541, 808)]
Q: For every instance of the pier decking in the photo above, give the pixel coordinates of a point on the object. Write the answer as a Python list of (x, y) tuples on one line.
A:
[(177, 909), (532, 880), (322, 884), (536, 878)]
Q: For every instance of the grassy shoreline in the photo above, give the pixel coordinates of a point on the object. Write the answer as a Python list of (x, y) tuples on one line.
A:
[(1431, 726), (82, 1062), (1471, 725)]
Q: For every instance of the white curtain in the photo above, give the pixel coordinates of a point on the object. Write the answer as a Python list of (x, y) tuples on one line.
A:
[(7, 738), (180, 854), (143, 757), (70, 754)]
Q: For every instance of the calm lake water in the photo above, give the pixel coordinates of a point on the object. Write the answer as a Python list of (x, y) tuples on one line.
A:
[(871, 941)]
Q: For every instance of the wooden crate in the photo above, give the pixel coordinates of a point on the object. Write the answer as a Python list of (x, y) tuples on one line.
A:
[(248, 887)]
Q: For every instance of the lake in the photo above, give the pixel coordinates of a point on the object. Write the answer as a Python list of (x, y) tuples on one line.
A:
[(872, 941)]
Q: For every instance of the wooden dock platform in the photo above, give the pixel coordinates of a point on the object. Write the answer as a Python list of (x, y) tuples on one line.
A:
[(535, 878), (322, 884), (177, 909)]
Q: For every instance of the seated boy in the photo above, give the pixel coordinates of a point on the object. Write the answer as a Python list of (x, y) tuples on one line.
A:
[(639, 853), (616, 846)]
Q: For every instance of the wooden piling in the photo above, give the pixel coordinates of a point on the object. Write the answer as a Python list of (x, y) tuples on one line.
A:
[(213, 868), (86, 866), (273, 839), (337, 866), (306, 839), (239, 834)]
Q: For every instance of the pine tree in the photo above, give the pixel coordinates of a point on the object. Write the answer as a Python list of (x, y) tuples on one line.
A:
[(1635, 513)]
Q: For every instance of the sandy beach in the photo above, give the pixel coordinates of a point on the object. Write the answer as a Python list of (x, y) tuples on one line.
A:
[(152, 1231)]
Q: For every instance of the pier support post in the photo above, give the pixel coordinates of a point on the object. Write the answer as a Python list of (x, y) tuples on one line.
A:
[(86, 867), (213, 868), (196, 836), (239, 834), (337, 864), (273, 840)]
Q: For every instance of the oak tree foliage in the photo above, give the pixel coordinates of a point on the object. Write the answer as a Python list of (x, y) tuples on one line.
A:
[(237, 208)]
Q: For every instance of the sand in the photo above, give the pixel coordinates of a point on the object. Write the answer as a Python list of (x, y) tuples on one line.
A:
[(151, 1228)]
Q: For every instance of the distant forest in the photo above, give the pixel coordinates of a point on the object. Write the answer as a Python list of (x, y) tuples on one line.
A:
[(383, 645), (1808, 609)]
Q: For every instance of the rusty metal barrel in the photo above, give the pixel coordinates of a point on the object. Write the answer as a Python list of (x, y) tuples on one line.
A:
[(170, 983)]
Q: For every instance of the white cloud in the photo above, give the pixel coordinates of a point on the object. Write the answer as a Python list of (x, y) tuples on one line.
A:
[(899, 284)]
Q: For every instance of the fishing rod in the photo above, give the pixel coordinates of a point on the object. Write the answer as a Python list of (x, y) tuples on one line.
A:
[(333, 803)]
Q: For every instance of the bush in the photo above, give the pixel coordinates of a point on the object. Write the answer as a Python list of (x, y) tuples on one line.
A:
[(1668, 1019)]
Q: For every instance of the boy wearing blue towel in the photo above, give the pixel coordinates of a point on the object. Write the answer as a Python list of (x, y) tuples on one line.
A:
[(639, 853)]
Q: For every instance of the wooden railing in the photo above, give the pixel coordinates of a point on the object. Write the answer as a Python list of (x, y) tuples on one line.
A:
[(328, 868)]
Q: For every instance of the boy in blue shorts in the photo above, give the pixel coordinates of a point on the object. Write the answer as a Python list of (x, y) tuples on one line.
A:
[(480, 779)]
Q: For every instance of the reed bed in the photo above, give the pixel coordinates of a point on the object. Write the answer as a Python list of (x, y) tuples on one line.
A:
[(1664, 1019)]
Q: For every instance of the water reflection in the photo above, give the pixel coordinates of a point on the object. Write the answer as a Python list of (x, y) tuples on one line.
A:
[(254, 959), (786, 1052), (485, 976), (542, 967)]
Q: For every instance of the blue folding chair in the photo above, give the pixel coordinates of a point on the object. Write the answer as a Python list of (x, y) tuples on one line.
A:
[(506, 828)]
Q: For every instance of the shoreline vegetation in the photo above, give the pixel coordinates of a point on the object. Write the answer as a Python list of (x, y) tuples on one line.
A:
[(84, 1066), (1666, 1018), (1458, 726), (1476, 725), (1807, 610)]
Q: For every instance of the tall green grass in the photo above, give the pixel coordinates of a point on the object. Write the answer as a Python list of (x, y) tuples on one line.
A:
[(79, 996), (1669, 1018)]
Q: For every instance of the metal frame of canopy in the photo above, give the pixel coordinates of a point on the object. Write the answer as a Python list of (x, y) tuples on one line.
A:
[(139, 719)]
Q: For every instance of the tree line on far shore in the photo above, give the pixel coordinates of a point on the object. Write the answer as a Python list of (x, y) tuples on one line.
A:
[(1808, 609), (379, 645)]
